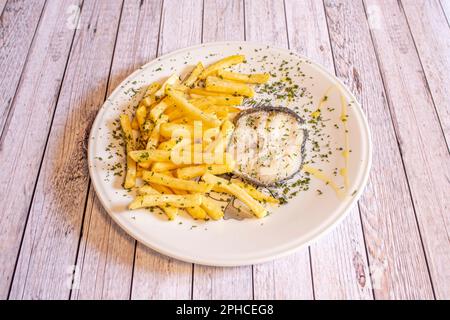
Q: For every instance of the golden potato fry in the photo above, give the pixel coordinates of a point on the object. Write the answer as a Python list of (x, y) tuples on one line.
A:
[(226, 86), (159, 108), (176, 183), (221, 64), (143, 156), (219, 145), (130, 177), (212, 208), (153, 140), (218, 100), (172, 80), (222, 185), (195, 212), (173, 130), (199, 170), (190, 110), (242, 77), (149, 96), (199, 93), (135, 124), (165, 166), (193, 76), (255, 193), (178, 201), (170, 211)]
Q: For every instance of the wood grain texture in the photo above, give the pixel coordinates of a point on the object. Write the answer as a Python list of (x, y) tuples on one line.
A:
[(157, 276), (396, 258), (2, 5), (425, 153), (106, 254), (339, 265), (431, 34), (18, 24), (265, 22), (445, 4), (48, 252), (223, 20), (23, 141)]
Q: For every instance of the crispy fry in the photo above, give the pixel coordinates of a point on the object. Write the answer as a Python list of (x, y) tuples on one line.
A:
[(149, 96), (195, 212), (198, 93), (153, 140), (211, 207), (178, 201), (190, 110), (159, 108), (170, 211), (144, 156), (190, 80), (173, 130), (218, 100), (221, 64), (226, 86), (172, 80), (241, 77), (135, 124), (222, 185), (165, 166), (176, 183), (255, 193), (199, 170), (219, 145), (130, 178)]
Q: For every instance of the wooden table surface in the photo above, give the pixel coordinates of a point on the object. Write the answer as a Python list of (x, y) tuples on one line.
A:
[(57, 242)]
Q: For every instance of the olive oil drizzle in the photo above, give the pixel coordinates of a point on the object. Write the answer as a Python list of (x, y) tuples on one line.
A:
[(322, 176), (345, 152)]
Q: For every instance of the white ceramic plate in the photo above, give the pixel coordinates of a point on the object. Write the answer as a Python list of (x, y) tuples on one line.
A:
[(240, 242)]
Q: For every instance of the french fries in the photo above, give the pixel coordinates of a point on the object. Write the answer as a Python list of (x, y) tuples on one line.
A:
[(213, 210), (178, 201), (176, 142), (221, 64), (170, 211), (231, 87), (245, 78), (130, 178), (176, 183), (194, 75), (197, 171), (195, 212), (222, 185), (255, 193), (192, 111)]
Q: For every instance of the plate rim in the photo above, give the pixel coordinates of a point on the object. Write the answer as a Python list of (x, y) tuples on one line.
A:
[(324, 228)]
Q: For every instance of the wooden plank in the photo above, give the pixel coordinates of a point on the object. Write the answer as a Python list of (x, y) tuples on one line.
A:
[(23, 142), (2, 5), (422, 143), (446, 8), (49, 248), (339, 264), (223, 20), (157, 276), (396, 258), (431, 34), (289, 277), (18, 24), (106, 254)]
